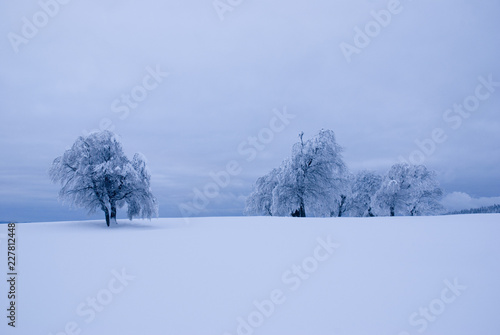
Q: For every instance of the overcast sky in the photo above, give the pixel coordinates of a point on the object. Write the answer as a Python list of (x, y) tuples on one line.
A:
[(187, 84)]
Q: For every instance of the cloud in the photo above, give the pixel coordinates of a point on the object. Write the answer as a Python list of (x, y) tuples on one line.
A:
[(226, 77), (459, 200)]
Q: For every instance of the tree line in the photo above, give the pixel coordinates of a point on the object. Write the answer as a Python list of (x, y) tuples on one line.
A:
[(481, 210), (96, 174), (315, 181)]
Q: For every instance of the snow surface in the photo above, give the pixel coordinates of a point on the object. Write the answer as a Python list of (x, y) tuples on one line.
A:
[(204, 275)]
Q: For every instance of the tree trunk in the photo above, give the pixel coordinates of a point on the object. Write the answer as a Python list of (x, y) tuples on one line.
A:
[(300, 213), (106, 214), (392, 210), (370, 214), (113, 213), (269, 211), (342, 204), (413, 211)]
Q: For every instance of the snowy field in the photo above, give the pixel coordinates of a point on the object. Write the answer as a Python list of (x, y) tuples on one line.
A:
[(256, 275)]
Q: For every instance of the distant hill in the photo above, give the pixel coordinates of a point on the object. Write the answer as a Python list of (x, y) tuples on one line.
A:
[(487, 209)]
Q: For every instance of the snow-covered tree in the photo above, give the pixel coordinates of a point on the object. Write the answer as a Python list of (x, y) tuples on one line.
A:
[(310, 181), (388, 197), (95, 173), (409, 190), (426, 195), (364, 186), (260, 201)]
